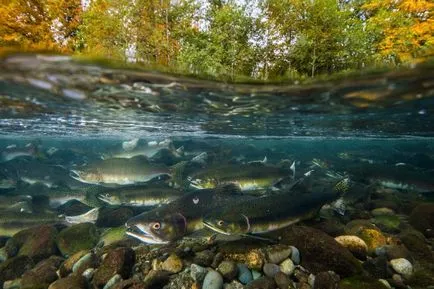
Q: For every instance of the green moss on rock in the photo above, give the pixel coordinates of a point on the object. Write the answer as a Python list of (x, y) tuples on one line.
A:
[(76, 238)]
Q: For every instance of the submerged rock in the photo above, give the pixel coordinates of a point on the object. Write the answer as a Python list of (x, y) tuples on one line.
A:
[(271, 270), (326, 280), (73, 281), (78, 237), (119, 261), (43, 274), (287, 267), (67, 265), (319, 251), (197, 273), (356, 245), (172, 264), (378, 267), (244, 274), (277, 254), (373, 239), (263, 282), (422, 218), (37, 243), (228, 269), (14, 268), (213, 280), (402, 266)]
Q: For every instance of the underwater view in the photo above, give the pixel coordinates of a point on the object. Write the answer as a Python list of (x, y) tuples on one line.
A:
[(120, 178)]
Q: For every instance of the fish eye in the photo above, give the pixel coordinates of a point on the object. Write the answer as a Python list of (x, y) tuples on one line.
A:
[(156, 226), (220, 223), (195, 200)]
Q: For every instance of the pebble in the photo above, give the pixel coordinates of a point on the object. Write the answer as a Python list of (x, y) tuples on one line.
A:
[(287, 267), (382, 212), (244, 274), (216, 260), (295, 255), (12, 284), (277, 254), (282, 280), (256, 274), (355, 245), (172, 264), (113, 281), (402, 266), (233, 285), (197, 272), (81, 261), (228, 269), (213, 280), (262, 283), (385, 283), (204, 258), (270, 270), (311, 280), (88, 273)]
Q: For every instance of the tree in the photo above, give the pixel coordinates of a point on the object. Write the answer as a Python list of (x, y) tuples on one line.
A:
[(402, 29), (37, 24), (221, 46)]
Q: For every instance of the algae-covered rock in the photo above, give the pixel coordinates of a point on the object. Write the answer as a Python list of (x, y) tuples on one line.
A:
[(14, 268), (319, 251), (415, 243), (373, 239), (119, 261), (361, 282), (79, 237), (402, 266), (73, 281), (354, 227), (39, 243), (43, 274), (387, 223), (422, 218), (66, 266), (421, 278), (356, 245), (113, 235)]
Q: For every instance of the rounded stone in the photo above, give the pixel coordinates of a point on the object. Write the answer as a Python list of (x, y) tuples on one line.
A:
[(213, 280), (244, 274), (228, 269), (382, 212), (287, 267), (282, 280), (277, 254), (355, 245), (402, 266), (172, 264), (78, 237), (271, 270), (204, 258), (295, 255), (197, 272)]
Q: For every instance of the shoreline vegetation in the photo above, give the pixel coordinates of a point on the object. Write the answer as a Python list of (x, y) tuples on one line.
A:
[(260, 42)]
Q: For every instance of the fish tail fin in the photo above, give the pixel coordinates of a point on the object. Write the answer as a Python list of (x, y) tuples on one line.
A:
[(90, 216)]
